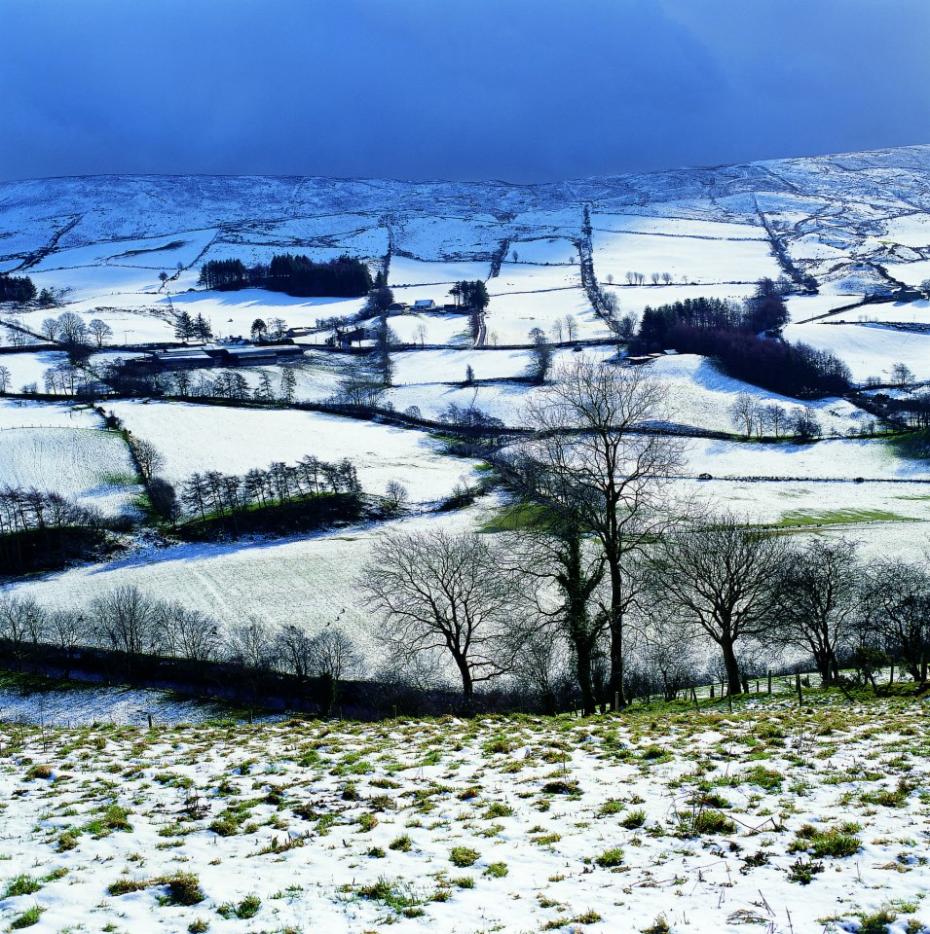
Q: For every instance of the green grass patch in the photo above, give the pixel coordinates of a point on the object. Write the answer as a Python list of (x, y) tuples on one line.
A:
[(808, 517)]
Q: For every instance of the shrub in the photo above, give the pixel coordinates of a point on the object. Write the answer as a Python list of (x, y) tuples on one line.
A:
[(463, 856), (561, 787), (634, 820), (497, 809), (127, 886), (878, 922), (803, 871), (226, 825), (21, 885), (67, 841), (367, 822), (832, 841), (403, 843), (39, 771), (610, 858), (183, 888), (27, 919), (711, 821), (767, 779), (496, 870), (248, 907)]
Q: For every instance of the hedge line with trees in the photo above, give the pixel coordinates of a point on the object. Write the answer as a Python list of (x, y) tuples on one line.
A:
[(295, 274)]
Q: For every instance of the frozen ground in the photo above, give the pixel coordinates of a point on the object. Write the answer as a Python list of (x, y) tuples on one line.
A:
[(25, 413), (89, 465), (233, 440), (309, 581), (701, 396), (769, 818), (868, 350)]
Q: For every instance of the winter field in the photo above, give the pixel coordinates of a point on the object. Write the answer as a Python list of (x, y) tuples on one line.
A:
[(197, 438), (771, 817), (767, 818), (89, 465)]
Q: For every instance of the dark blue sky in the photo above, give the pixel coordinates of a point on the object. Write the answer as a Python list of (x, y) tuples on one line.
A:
[(522, 90)]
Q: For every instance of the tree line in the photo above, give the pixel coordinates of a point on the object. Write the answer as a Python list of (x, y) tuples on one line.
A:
[(601, 575), (295, 274), (136, 625), (18, 289), (743, 338), (217, 494)]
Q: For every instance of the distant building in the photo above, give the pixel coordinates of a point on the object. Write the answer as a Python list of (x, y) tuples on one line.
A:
[(195, 358), (424, 304)]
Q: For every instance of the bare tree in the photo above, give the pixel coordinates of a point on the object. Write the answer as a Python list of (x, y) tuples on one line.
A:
[(189, 634), (100, 331), (744, 413), (6, 379), (22, 622), (666, 278), (655, 277), (540, 356), (148, 457), (591, 458), (667, 651), (817, 599), (128, 621), (773, 418), (571, 327), (395, 497), (567, 571), (251, 645), (627, 325), (67, 629), (896, 605), (902, 375), (50, 328), (71, 328), (333, 655), (721, 579), (438, 592)]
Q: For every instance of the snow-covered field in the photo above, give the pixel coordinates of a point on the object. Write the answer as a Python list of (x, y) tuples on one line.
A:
[(868, 350), (557, 313), (25, 413), (28, 369), (769, 818), (686, 259), (307, 580), (89, 465), (233, 440), (701, 396)]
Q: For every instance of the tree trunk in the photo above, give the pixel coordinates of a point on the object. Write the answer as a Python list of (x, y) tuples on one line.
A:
[(615, 687), (468, 687), (585, 681), (734, 682)]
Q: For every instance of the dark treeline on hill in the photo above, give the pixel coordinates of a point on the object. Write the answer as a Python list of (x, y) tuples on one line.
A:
[(43, 531), (743, 339), (284, 497), (16, 288), (291, 273)]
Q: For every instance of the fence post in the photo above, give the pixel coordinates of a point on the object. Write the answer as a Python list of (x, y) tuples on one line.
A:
[(150, 720), (770, 681), (797, 684), (711, 692), (616, 700), (697, 706)]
